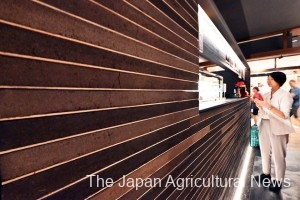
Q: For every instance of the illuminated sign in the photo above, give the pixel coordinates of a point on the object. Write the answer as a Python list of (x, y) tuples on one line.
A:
[(214, 47)]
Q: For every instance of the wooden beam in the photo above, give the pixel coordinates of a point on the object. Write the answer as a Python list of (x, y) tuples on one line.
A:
[(207, 64), (274, 54), (277, 69), (267, 35), (284, 39)]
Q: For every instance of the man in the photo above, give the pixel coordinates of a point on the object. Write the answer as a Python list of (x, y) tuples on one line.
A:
[(295, 93)]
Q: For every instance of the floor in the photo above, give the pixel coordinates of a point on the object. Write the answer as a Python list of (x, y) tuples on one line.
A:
[(292, 173)]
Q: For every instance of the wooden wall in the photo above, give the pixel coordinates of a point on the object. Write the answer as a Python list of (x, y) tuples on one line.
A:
[(107, 88)]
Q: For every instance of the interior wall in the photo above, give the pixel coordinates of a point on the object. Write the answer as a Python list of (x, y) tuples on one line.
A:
[(110, 89)]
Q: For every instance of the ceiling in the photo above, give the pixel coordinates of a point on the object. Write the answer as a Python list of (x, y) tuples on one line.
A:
[(249, 18), (263, 29)]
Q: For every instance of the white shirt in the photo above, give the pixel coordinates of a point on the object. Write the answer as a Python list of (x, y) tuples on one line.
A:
[(283, 101)]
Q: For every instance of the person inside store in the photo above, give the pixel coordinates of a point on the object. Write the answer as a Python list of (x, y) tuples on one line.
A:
[(256, 95), (295, 93), (274, 128)]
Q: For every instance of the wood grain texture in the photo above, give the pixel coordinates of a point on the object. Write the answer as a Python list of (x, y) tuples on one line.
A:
[(46, 101), (110, 89), (44, 155)]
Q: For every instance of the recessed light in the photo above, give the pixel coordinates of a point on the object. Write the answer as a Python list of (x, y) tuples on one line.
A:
[(294, 40)]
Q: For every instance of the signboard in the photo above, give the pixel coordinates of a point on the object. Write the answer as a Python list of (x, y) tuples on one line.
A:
[(214, 47)]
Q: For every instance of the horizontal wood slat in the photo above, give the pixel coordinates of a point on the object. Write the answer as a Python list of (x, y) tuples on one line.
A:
[(201, 158), (157, 18), (106, 88), (44, 155), (171, 14), (38, 101), (13, 9), (48, 74), (62, 49), (99, 161), (91, 12), (175, 6), (18, 133)]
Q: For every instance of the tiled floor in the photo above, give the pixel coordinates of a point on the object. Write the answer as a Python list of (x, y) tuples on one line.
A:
[(292, 172)]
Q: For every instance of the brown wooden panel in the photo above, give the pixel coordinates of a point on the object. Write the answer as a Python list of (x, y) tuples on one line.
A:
[(135, 194), (159, 16), (209, 193), (206, 144), (190, 7), (18, 133), (179, 151), (196, 163), (183, 13), (118, 171), (13, 9), (62, 49), (173, 15), (215, 149), (229, 147), (193, 4), (206, 171), (16, 72), (24, 102), (42, 156), (75, 66), (199, 152), (116, 22), (198, 158), (47, 181), (153, 18)]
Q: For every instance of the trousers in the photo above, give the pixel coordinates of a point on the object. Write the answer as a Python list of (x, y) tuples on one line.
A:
[(272, 146)]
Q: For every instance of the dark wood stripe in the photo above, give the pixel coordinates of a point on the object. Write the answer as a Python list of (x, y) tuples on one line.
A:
[(108, 88), (206, 171), (43, 180), (18, 133), (229, 147), (17, 71), (159, 16), (165, 9), (192, 9), (38, 157), (182, 13), (37, 101), (91, 12), (197, 153), (11, 10), (206, 143), (193, 4), (115, 172), (207, 150), (61, 49), (226, 148), (134, 193)]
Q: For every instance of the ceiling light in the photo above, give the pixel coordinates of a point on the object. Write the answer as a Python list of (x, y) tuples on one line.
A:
[(294, 40)]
